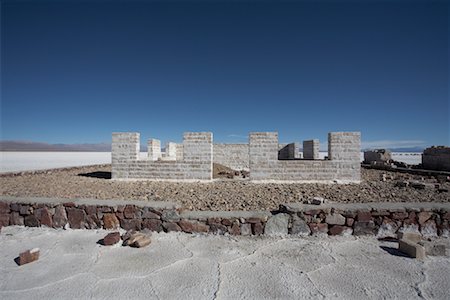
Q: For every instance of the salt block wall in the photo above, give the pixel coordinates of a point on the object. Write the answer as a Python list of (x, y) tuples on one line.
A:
[(289, 151), (343, 164), (311, 149), (436, 158), (195, 165), (234, 156)]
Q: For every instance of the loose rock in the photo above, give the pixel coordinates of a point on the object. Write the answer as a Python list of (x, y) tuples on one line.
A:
[(28, 256)]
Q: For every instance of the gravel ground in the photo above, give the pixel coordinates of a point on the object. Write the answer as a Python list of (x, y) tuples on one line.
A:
[(222, 194)]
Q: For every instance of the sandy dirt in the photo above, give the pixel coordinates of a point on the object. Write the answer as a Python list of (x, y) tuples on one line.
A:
[(222, 194), (180, 266)]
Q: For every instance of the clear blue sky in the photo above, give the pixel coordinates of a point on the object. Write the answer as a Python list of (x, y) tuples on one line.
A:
[(75, 71)]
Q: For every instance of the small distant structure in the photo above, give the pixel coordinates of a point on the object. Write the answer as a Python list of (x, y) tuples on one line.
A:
[(436, 158), (377, 157), (263, 156)]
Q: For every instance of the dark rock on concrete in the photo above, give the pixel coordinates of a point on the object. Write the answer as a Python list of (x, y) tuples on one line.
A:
[(152, 224), (76, 217), (28, 256), (362, 228), (44, 216), (129, 224), (257, 228), (300, 227), (170, 226), (111, 239), (16, 219), (31, 221)]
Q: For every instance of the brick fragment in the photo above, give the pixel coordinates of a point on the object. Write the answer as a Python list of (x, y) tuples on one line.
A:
[(28, 256)]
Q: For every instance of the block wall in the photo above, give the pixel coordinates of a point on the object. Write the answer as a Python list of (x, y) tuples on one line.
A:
[(195, 165), (436, 158), (154, 149), (289, 151), (234, 156), (343, 166), (311, 149), (124, 149)]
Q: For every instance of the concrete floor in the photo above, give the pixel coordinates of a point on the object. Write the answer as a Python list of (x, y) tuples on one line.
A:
[(181, 266)]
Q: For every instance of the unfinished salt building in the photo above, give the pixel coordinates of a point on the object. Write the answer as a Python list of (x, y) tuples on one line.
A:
[(263, 157)]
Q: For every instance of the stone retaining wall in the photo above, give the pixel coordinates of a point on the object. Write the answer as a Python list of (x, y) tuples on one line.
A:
[(380, 219)]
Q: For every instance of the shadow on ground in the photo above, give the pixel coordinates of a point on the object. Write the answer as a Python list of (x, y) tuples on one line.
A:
[(99, 174), (394, 251)]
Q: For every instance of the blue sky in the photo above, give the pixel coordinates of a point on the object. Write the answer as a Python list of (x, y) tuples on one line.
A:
[(75, 71)]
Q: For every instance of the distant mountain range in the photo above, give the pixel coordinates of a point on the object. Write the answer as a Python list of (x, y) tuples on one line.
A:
[(103, 147), (404, 149), (38, 146)]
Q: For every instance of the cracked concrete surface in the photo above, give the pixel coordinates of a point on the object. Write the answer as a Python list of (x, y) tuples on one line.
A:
[(181, 266)]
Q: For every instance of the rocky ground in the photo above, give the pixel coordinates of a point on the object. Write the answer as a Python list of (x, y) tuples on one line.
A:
[(224, 193)]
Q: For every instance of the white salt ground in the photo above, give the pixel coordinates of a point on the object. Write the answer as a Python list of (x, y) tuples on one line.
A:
[(181, 266)]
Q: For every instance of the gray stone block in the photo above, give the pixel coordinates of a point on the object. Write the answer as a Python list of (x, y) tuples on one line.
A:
[(277, 225)]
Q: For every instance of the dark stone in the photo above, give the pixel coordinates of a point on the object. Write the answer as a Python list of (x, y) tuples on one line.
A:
[(364, 216), (349, 214), (16, 219), (350, 222), (424, 216), (110, 221), (4, 207), (69, 204), (130, 212), (380, 213), (60, 217), (227, 222), (193, 226), (31, 221), (120, 208), (152, 224), (14, 207), (104, 209), (44, 216), (300, 227), (235, 229), (25, 210), (170, 216), (257, 228), (216, 221), (217, 228), (111, 239), (150, 215), (76, 217), (170, 226), (400, 215), (28, 256), (128, 224), (119, 215), (446, 216), (318, 228), (363, 228), (340, 230), (92, 222), (90, 209), (4, 219)]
